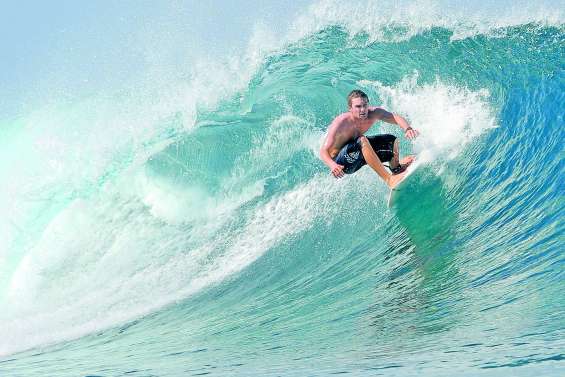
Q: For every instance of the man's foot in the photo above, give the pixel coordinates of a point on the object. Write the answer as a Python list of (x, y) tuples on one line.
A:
[(395, 179), (404, 163)]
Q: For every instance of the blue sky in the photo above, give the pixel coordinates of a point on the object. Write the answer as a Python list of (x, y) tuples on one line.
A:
[(62, 48)]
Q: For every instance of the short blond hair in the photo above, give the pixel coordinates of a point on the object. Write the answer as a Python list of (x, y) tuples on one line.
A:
[(356, 94)]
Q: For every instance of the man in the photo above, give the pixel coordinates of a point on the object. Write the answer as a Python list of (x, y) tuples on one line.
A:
[(346, 148)]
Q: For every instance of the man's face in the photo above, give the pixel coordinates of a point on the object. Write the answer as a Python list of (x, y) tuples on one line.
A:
[(359, 108)]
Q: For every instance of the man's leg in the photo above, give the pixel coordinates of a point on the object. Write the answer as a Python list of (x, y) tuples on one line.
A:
[(395, 162), (375, 163)]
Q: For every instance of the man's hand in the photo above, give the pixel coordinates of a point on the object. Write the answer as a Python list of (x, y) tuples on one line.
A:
[(411, 133), (337, 171)]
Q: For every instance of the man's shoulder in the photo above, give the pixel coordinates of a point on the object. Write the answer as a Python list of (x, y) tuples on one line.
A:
[(376, 111), (342, 118)]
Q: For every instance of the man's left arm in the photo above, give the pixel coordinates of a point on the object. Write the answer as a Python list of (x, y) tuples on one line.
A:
[(391, 118)]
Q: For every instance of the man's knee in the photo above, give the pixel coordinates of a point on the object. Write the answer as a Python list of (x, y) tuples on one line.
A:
[(363, 141)]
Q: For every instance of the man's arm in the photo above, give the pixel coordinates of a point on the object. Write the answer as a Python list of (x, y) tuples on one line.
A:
[(336, 169), (391, 118)]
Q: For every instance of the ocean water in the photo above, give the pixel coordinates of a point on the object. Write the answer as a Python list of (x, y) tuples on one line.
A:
[(183, 224)]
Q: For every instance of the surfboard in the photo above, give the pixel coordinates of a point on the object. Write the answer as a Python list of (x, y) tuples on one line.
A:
[(396, 193)]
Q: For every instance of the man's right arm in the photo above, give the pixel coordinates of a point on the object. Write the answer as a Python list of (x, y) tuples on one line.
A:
[(391, 118), (336, 169)]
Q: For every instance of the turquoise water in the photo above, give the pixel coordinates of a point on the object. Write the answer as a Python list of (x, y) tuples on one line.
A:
[(192, 230)]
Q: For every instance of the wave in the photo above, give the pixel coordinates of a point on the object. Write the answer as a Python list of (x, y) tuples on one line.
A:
[(122, 205)]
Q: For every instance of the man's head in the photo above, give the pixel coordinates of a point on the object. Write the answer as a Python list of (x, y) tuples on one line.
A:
[(358, 103), (356, 94)]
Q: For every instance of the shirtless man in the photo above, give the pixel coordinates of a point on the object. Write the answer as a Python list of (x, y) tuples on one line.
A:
[(346, 148)]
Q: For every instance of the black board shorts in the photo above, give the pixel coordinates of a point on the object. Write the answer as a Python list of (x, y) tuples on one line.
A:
[(351, 157)]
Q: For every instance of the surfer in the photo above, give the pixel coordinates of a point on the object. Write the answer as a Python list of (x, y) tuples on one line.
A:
[(346, 148)]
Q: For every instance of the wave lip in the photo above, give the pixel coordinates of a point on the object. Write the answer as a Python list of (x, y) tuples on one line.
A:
[(395, 21)]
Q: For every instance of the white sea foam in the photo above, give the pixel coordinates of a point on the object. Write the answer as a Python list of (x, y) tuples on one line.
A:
[(448, 117), (104, 261)]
